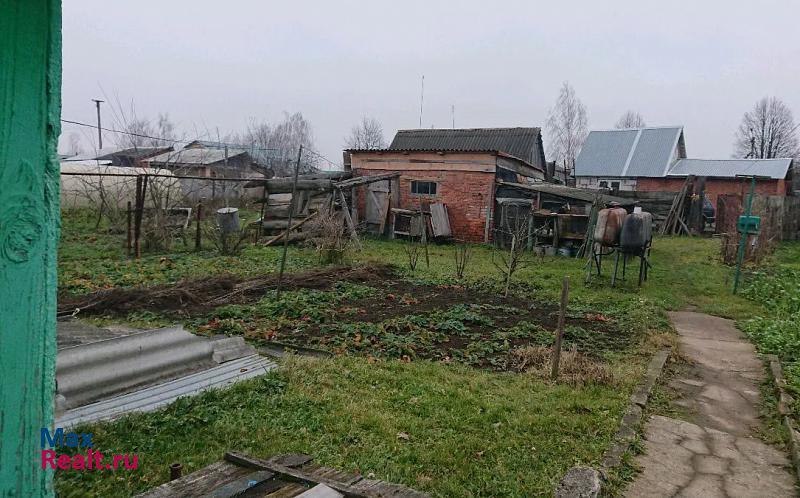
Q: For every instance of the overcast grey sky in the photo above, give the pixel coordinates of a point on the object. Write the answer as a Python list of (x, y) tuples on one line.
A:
[(210, 65)]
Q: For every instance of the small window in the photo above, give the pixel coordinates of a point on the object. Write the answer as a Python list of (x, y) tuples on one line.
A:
[(614, 185), (423, 188), (603, 184)]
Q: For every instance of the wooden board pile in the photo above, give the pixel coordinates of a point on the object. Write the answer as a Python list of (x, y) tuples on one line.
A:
[(239, 475), (313, 194), (675, 223)]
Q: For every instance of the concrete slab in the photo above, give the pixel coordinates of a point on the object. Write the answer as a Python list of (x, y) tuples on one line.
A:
[(714, 453)]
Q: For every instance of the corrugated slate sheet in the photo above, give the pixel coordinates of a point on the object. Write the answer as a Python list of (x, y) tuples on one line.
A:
[(774, 168), (198, 156), (522, 143), (630, 152), (155, 397)]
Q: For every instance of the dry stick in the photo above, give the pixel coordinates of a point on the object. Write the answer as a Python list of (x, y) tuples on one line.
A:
[(197, 233), (289, 222), (562, 313), (128, 234)]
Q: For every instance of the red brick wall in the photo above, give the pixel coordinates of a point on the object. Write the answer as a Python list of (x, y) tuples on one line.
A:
[(714, 186), (465, 193)]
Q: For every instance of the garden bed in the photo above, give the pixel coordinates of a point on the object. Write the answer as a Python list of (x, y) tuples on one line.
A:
[(369, 311)]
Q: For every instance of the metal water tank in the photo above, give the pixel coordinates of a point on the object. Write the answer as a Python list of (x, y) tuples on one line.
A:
[(609, 225), (637, 232)]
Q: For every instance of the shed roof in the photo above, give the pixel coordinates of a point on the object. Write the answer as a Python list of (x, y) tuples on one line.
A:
[(135, 153), (195, 156), (566, 192), (522, 143), (776, 169), (629, 152)]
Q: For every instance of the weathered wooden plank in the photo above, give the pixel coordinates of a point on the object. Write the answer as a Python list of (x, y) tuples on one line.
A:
[(341, 476), (440, 221), (242, 484), (289, 490), (30, 92), (289, 472), (199, 483)]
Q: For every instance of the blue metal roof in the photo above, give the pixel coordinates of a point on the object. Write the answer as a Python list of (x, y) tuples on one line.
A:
[(774, 168), (628, 152)]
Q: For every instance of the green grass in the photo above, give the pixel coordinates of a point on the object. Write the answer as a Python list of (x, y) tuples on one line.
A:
[(775, 329), (470, 432)]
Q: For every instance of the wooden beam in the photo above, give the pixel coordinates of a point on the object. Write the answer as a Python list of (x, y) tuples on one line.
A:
[(348, 219), (30, 90), (364, 180)]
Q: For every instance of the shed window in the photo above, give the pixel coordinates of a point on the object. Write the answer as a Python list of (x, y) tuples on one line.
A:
[(614, 185), (603, 184), (423, 188)]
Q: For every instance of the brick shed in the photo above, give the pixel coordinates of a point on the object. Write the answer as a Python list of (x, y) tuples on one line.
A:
[(457, 167), (721, 177)]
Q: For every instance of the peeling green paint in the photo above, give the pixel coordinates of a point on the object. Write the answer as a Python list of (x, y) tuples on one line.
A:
[(30, 107)]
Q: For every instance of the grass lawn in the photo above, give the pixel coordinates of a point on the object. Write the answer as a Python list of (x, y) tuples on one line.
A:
[(424, 355), (469, 432)]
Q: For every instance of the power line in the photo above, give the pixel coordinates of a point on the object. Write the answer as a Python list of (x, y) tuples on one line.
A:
[(178, 141), (164, 139)]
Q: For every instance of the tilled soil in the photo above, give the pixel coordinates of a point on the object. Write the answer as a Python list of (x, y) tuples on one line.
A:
[(196, 296)]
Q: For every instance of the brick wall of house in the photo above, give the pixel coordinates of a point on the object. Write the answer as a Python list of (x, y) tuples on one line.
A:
[(467, 195), (714, 186)]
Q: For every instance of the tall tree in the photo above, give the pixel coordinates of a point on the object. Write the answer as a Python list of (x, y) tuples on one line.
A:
[(631, 119), (276, 145), (368, 134), (767, 131), (567, 126)]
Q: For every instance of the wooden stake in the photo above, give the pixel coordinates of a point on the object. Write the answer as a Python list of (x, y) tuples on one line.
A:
[(562, 314), (289, 223), (129, 242), (198, 234)]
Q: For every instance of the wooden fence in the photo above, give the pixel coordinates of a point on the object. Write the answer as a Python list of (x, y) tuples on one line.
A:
[(780, 220)]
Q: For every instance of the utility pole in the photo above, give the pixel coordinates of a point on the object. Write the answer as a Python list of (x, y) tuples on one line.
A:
[(99, 129), (421, 100)]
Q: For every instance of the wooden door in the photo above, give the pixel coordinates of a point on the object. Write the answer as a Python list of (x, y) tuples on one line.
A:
[(377, 206)]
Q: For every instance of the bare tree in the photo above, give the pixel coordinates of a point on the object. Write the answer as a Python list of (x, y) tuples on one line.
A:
[(276, 145), (568, 126), (368, 134), (140, 132), (631, 119), (767, 131)]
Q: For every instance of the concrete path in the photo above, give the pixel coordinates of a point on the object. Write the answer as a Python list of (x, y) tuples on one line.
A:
[(715, 453)]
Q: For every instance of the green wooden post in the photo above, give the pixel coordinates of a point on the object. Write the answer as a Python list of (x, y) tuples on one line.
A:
[(30, 106), (743, 239)]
